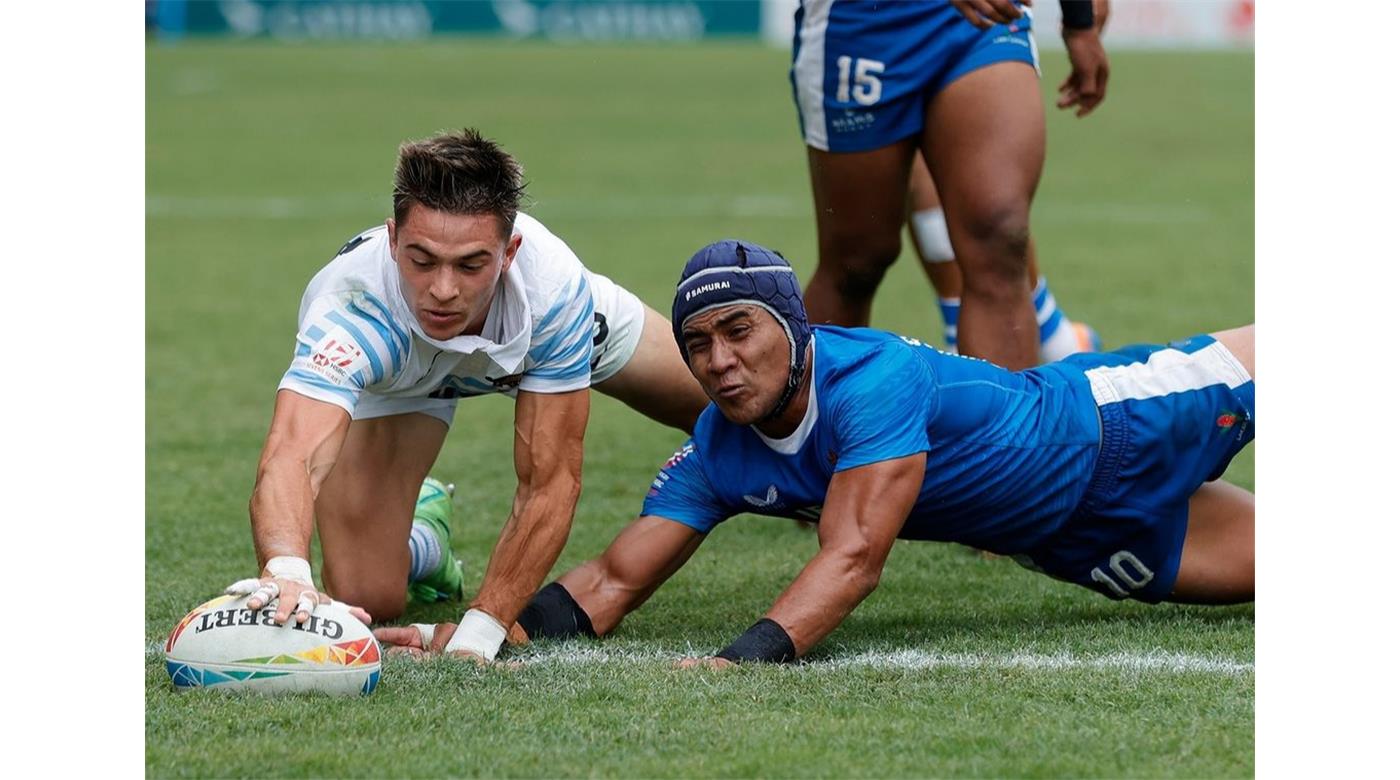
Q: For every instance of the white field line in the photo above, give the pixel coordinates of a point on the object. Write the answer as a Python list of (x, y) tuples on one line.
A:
[(756, 205), (904, 660)]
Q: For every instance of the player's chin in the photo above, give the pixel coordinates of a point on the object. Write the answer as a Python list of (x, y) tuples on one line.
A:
[(743, 412)]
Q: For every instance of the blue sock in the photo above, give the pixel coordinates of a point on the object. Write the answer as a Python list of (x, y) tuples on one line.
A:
[(424, 551), (950, 308), (1047, 313)]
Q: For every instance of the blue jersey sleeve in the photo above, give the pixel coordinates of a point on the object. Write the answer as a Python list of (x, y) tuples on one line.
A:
[(882, 412), (682, 493)]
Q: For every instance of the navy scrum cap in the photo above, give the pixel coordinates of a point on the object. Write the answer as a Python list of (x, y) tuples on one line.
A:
[(731, 272)]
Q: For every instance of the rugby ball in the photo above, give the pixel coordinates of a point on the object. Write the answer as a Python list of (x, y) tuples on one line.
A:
[(222, 644)]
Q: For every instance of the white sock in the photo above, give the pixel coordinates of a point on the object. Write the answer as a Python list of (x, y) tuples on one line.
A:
[(424, 551)]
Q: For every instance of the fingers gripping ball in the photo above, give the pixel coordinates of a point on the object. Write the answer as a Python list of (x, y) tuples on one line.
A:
[(224, 645)]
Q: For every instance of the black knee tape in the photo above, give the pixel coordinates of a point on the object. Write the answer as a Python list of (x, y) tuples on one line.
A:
[(553, 614)]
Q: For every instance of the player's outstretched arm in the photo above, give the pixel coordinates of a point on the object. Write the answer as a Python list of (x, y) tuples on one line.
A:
[(865, 508), (549, 431), (301, 448), (642, 557)]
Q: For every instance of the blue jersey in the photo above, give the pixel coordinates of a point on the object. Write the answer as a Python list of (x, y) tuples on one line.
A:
[(1010, 455), (1083, 469)]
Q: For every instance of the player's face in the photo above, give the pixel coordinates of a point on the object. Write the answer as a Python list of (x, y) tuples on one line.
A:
[(450, 264), (740, 356)]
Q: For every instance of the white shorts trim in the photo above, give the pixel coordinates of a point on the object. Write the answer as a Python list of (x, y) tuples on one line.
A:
[(1167, 371), (809, 72)]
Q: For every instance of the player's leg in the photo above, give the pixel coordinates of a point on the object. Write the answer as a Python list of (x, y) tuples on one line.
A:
[(928, 231), (860, 202), (654, 380), (636, 360), (1217, 560), (984, 139), (1240, 342), (365, 509)]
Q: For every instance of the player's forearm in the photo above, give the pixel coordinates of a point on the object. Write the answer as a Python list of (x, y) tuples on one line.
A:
[(529, 545), (281, 509), (828, 589)]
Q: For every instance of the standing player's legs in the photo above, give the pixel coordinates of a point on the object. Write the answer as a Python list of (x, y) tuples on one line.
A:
[(654, 380), (928, 229), (859, 199), (984, 139), (364, 510)]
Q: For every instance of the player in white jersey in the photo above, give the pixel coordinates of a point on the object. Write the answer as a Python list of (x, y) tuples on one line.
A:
[(457, 295)]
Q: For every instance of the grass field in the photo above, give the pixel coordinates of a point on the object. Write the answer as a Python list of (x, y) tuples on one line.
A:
[(263, 159)]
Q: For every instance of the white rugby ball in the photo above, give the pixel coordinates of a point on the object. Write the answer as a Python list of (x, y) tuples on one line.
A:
[(224, 645)]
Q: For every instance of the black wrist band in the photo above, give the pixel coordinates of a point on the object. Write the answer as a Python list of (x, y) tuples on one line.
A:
[(765, 641), (553, 614), (1077, 14)]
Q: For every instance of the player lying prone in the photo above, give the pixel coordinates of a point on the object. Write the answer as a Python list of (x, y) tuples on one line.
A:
[(1099, 469)]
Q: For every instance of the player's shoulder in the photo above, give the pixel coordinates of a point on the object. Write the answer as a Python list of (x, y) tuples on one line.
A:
[(547, 267), (867, 354), (357, 266)]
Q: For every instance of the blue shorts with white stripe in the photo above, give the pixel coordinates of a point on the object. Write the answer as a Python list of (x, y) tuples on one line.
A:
[(863, 72), (1173, 418)]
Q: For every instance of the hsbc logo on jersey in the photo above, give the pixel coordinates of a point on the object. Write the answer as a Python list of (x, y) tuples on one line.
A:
[(336, 357), (338, 354)]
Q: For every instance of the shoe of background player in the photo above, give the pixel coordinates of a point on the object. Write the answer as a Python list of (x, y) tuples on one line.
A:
[(1087, 337), (435, 510)]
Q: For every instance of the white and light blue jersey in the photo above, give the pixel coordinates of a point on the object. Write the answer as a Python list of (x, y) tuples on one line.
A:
[(358, 334)]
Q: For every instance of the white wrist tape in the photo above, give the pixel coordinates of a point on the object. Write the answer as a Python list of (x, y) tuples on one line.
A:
[(478, 633), (289, 567)]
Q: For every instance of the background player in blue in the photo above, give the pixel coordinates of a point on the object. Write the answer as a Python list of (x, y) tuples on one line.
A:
[(1097, 470), (874, 82)]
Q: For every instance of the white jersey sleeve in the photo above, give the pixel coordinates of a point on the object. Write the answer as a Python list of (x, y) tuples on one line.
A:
[(561, 346), (347, 342)]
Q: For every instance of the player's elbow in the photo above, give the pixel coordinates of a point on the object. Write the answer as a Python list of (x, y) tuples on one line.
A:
[(861, 570)]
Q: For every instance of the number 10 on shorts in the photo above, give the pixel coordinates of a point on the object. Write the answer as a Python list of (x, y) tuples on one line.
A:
[(867, 91), (1122, 580)]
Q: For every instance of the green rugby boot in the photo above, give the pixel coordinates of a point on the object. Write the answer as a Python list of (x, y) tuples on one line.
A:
[(435, 511)]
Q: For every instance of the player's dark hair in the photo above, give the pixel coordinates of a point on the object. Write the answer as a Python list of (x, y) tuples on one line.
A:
[(459, 173)]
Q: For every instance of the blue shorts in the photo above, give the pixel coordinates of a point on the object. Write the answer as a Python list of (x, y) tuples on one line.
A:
[(1173, 418), (862, 71)]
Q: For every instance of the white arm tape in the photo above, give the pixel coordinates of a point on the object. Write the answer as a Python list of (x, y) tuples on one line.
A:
[(289, 567), (478, 633)]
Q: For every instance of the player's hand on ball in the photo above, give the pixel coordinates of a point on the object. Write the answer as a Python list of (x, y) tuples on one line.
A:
[(295, 599), (708, 662)]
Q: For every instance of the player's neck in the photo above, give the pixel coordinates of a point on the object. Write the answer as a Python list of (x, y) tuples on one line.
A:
[(790, 420)]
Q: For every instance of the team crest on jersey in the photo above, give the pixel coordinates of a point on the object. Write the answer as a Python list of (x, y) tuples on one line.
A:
[(768, 500)]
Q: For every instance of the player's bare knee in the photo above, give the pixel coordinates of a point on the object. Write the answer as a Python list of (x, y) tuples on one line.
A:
[(860, 267), (1000, 241)]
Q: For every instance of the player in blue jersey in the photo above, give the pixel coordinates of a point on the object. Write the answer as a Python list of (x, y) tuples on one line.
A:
[(1098, 470), (874, 82)]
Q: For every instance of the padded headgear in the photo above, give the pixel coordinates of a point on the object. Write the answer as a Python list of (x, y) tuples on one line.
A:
[(732, 272)]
